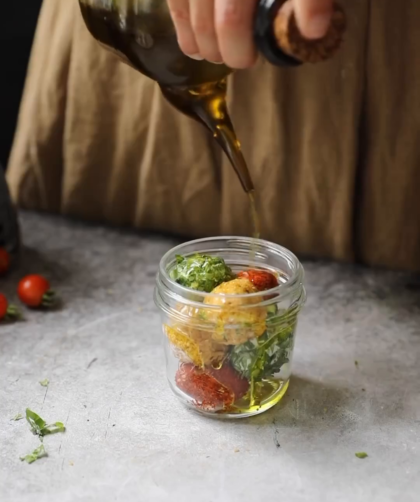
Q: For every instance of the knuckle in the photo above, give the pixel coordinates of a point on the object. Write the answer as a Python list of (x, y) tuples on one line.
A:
[(231, 18), (203, 27), (180, 15)]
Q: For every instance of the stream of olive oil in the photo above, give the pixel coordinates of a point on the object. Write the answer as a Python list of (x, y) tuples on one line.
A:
[(255, 218), (255, 221)]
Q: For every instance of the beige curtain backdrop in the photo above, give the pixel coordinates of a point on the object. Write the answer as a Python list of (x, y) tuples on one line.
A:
[(334, 149)]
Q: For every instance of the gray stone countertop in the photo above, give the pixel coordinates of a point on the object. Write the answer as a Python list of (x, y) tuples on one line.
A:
[(128, 438)]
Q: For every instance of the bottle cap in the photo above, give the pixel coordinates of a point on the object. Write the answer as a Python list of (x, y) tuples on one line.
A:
[(265, 40), (278, 38)]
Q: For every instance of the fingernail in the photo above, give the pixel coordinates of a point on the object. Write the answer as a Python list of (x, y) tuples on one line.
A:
[(318, 26), (197, 57), (217, 60)]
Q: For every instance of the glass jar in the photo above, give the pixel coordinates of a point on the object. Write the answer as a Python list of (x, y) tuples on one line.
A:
[(230, 355)]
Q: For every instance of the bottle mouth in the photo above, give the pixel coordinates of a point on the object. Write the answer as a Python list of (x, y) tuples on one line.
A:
[(240, 253), (265, 40)]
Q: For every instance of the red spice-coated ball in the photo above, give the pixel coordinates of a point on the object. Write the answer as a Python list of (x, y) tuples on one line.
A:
[(261, 279)]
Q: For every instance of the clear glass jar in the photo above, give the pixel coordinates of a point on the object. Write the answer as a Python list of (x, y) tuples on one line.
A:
[(231, 355)]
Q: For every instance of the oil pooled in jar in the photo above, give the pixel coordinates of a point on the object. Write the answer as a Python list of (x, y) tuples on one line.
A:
[(145, 39)]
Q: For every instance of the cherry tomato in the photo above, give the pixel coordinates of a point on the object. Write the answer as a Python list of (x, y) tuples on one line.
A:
[(4, 305), (261, 279), (34, 291), (7, 311), (4, 261)]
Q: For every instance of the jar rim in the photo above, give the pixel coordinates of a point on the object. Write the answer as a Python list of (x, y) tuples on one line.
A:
[(295, 279)]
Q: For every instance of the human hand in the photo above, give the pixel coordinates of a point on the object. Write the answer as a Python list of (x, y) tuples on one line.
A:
[(221, 31)]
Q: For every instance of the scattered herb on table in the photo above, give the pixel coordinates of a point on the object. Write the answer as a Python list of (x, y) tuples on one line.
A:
[(45, 382), (201, 272), (361, 454), (17, 417), (356, 363), (38, 453), (39, 427)]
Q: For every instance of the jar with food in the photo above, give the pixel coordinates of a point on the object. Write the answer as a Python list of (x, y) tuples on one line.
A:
[(229, 310)]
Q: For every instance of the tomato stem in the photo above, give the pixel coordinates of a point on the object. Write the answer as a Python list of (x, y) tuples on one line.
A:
[(49, 299), (13, 313)]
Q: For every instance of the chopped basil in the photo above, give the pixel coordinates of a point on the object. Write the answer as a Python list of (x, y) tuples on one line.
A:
[(361, 454), (45, 382), (39, 427), (35, 455), (17, 417), (263, 357), (201, 272)]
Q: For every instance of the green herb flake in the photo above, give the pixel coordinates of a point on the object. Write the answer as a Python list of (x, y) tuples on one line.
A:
[(361, 454), (35, 455), (201, 272), (39, 427), (45, 382), (356, 363), (263, 357), (17, 417)]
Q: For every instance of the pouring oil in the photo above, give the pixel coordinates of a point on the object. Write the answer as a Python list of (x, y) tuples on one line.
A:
[(142, 35)]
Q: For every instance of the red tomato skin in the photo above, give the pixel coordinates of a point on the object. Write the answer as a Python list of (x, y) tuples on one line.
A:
[(207, 392), (31, 290), (261, 279), (4, 261), (231, 379), (4, 305)]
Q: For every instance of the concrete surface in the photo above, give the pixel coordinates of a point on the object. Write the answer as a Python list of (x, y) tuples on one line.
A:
[(127, 437)]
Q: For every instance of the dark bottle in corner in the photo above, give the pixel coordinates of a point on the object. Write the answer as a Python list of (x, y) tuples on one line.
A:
[(9, 227)]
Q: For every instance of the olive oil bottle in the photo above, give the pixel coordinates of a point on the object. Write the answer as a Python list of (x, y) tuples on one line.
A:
[(142, 34)]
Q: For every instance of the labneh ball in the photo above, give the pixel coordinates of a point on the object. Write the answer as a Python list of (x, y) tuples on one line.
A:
[(239, 320)]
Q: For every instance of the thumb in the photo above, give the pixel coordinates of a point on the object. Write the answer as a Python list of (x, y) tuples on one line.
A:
[(313, 17)]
